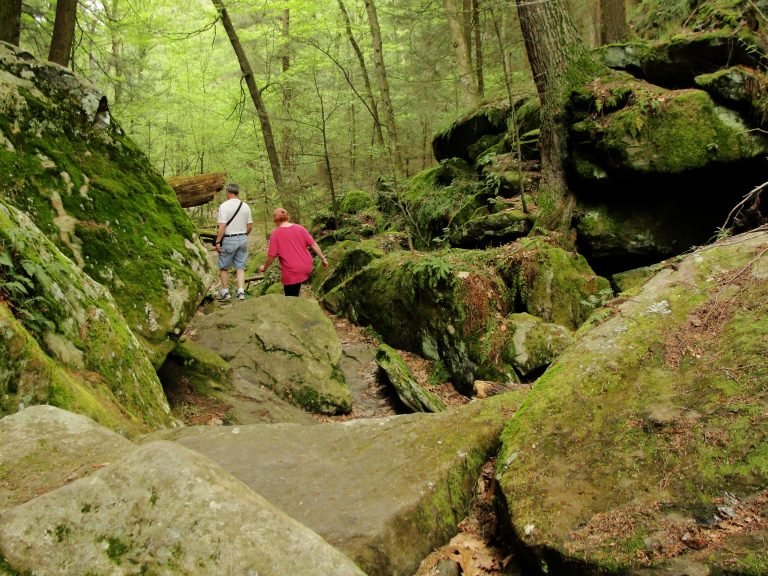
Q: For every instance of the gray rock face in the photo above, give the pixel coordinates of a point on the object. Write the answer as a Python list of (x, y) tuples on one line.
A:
[(162, 509), (63, 339), (285, 344), (96, 196), (43, 448), (384, 491), (645, 440)]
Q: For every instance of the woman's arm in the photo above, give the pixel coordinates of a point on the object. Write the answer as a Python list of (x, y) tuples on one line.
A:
[(319, 252)]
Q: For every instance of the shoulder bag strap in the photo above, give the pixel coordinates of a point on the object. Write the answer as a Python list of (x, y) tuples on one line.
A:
[(233, 216)]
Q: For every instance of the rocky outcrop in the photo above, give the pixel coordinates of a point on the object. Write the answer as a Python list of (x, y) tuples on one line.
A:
[(68, 165), (158, 508), (384, 491), (287, 345), (644, 442), (63, 339), (452, 305)]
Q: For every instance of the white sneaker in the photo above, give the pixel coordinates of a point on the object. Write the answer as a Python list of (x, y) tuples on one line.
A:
[(225, 295), (241, 295)]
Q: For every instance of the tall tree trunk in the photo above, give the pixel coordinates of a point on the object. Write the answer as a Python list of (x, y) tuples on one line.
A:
[(287, 157), (613, 21), (10, 21), (553, 47), (381, 71), (479, 61), (378, 137), (113, 16), (261, 110), (459, 34), (63, 32)]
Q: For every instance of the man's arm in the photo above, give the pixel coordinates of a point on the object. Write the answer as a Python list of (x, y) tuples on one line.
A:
[(220, 235)]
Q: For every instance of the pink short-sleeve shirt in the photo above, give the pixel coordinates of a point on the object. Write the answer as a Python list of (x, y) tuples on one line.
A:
[(290, 245)]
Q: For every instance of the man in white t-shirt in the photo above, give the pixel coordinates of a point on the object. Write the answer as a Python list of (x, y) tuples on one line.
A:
[(235, 223)]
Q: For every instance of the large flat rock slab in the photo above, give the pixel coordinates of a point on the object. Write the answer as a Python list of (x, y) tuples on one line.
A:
[(385, 491), (43, 448), (161, 509)]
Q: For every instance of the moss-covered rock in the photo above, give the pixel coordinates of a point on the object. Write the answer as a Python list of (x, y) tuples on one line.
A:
[(65, 342), (86, 185), (533, 344), (450, 305), (662, 131), (492, 229), (645, 440), (454, 141), (551, 283), (411, 393), (285, 344)]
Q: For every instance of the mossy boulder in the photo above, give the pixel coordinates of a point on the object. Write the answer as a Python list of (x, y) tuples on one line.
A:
[(92, 192), (65, 342), (492, 229), (662, 131), (345, 258), (451, 305), (533, 344), (441, 199), (192, 367), (285, 344), (355, 201), (411, 393), (454, 141), (644, 443), (550, 283)]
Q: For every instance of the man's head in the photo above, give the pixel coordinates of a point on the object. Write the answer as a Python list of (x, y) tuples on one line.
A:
[(233, 189), (280, 215)]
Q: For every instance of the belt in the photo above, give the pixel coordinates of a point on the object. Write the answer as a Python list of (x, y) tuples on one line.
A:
[(228, 235)]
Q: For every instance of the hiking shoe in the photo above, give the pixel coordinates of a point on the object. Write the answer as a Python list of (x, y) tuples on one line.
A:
[(241, 295), (225, 295)]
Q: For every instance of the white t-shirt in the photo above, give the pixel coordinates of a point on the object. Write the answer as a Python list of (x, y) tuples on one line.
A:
[(240, 223)]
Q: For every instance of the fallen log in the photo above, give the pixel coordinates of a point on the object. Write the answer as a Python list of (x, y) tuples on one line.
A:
[(197, 190)]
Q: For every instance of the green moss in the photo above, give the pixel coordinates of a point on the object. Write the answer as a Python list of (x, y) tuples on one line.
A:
[(116, 549), (645, 431)]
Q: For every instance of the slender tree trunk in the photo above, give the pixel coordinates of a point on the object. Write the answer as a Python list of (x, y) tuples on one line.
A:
[(381, 70), (613, 21), (10, 21), (479, 61), (288, 135), (553, 46), (461, 45), (378, 137), (63, 32), (261, 109), (113, 16)]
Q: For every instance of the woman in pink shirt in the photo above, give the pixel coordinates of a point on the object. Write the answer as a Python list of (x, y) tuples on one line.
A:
[(289, 243)]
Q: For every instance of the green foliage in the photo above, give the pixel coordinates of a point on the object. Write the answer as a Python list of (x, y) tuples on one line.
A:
[(430, 271), (355, 201)]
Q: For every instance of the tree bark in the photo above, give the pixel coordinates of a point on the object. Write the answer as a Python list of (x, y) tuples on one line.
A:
[(381, 71), (261, 109), (10, 21), (459, 35), (63, 32), (613, 21), (479, 61), (553, 47), (378, 137), (197, 190)]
